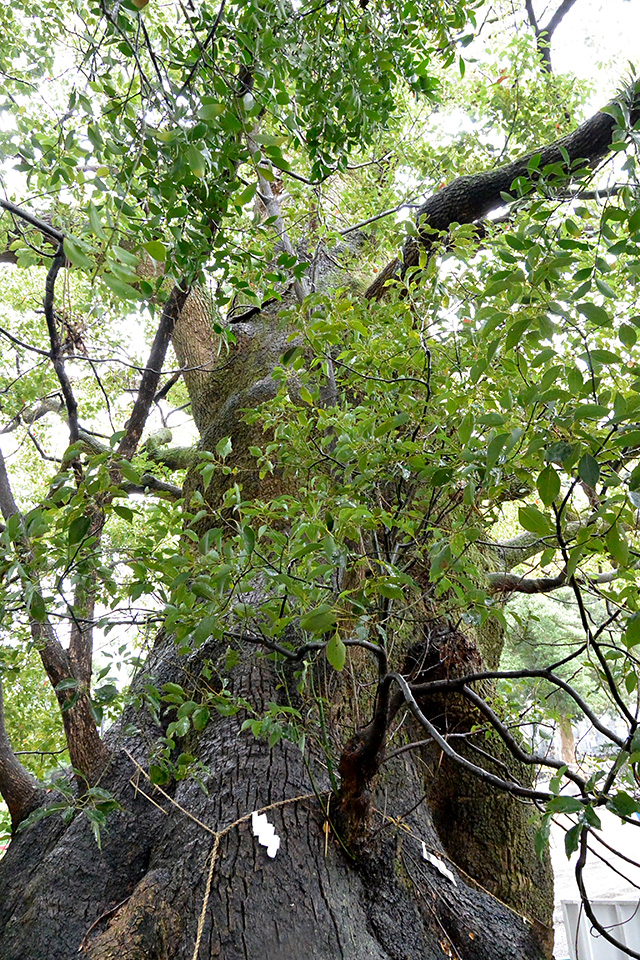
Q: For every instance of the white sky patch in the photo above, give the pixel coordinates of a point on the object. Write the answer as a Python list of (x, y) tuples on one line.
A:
[(597, 40)]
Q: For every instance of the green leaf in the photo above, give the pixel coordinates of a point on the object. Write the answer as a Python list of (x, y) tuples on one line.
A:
[(495, 448), (534, 521), (246, 196), (156, 250), (559, 452), (617, 545), (200, 718), (590, 411), (319, 620), (623, 805), (211, 111), (336, 652), (37, 607), (632, 633), (186, 709), (196, 162), (465, 429), (157, 774), (182, 727), (604, 356), (548, 485), (129, 472), (564, 804), (121, 289), (96, 225), (223, 447), (596, 314), (542, 838), (74, 254), (78, 529), (572, 839), (589, 470), (627, 334)]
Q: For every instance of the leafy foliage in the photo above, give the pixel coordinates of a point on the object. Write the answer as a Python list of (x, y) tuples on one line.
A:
[(481, 424)]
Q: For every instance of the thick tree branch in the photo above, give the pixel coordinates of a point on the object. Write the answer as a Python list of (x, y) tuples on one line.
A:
[(150, 484), (175, 458), (512, 583), (56, 345), (29, 415), (518, 549), (86, 750), (470, 198), (19, 789), (34, 221)]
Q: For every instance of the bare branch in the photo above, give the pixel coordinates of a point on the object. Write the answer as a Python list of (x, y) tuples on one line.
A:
[(203, 49), (151, 375), (514, 747), (34, 221), (544, 35), (543, 673), (507, 786), (56, 346), (586, 903)]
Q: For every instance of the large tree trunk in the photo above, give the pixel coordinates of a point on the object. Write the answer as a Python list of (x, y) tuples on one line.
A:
[(141, 896)]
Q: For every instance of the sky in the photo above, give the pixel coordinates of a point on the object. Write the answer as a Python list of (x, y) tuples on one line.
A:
[(597, 40)]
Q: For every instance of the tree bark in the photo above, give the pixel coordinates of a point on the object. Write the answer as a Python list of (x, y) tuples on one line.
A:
[(142, 895)]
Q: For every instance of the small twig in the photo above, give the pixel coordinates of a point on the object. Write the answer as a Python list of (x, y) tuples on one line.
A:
[(209, 40)]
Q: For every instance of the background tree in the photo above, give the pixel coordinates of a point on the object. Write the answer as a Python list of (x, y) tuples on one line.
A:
[(318, 584)]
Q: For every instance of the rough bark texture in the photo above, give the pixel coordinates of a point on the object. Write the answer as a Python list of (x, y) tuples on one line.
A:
[(141, 896)]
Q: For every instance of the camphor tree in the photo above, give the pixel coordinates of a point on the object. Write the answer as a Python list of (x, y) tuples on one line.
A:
[(310, 599)]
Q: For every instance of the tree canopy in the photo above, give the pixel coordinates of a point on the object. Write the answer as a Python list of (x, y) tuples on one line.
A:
[(319, 345)]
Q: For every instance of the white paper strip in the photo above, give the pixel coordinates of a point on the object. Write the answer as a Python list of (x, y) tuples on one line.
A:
[(265, 832), (439, 864)]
